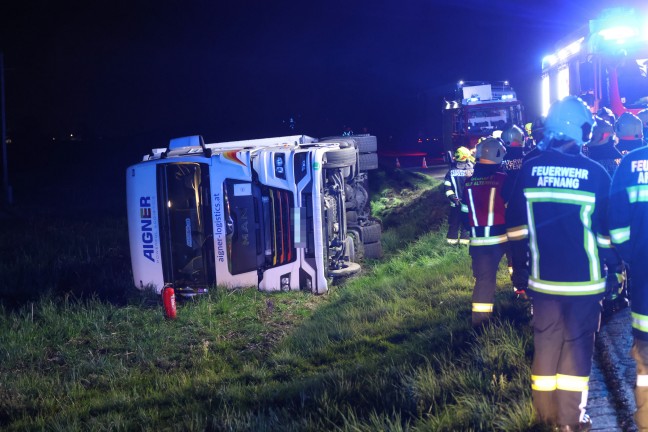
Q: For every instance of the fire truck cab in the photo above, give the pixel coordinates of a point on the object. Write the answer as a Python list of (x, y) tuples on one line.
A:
[(604, 63), (478, 109)]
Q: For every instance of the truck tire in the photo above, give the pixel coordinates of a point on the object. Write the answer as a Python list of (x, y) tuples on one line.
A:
[(371, 233), (368, 161), (372, 250), (341, 158)]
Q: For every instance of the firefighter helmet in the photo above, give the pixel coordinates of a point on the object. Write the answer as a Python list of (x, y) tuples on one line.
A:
[(513, 136), (606, 114), (490, 151), (601, 132), (643, 116), (629, 127), (462, 154), (569, 119)]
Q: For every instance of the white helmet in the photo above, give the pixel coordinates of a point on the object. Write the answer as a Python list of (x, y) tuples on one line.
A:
[(629, 127), (569, 119), (601, 132), (490, 151), (513, 136)]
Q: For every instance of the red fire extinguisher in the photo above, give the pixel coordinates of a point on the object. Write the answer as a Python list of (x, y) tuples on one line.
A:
[(169, 303)]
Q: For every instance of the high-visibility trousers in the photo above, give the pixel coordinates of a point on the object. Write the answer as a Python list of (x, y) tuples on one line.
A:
[(563, 338), (485, 262)]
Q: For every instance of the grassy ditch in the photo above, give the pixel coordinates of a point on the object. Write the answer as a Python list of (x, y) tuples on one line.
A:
[(390, 350)]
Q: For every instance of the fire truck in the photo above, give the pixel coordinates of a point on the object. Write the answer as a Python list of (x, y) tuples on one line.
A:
[(604, 63), (478, 109)]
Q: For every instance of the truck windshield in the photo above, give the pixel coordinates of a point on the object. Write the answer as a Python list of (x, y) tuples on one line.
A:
[(186, 231), (486, 120), (633, 82), (259, 222)]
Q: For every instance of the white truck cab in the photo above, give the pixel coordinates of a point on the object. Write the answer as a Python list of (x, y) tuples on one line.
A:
[(270, 213)]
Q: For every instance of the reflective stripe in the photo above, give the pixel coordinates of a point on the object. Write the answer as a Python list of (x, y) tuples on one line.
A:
[(449, 192), (518, 232), (543, 383), (491, 207), (637, 194), (487, 241), (574, 197), (567, 288), (590, 242), (620, 235), (603, 241), (640, 322), (472, 205), (482, 307), (572, 383), (447, 183), (642, 380), (464, 208)]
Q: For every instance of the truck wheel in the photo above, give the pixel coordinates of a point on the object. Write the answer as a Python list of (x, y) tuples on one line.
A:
[(371, 233), (368, 161), (340, 158), (372, 250)]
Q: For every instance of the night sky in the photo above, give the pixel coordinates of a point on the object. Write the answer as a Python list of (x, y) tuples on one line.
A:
[(143, 71)]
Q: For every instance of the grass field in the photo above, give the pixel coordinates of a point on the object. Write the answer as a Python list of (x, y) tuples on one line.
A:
[(390, 350)]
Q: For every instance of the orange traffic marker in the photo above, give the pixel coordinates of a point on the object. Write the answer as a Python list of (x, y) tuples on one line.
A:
[(424, 163), (397, 163)]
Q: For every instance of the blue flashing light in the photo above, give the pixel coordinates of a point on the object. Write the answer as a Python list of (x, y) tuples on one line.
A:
[(618, 25), (618, 34)]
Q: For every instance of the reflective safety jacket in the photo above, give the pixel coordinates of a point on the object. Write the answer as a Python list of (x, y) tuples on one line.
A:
[(511, 164), (455, 180), (558, 208), (628, 216), (484, 206)]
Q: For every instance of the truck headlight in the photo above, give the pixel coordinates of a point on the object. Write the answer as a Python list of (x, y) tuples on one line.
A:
[(279, 163)]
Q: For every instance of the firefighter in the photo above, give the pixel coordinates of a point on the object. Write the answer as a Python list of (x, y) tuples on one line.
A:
[(629, 130), (602, 146), (558, 212), (538, 134), (528, 132), (628, 212), (602, 149), (454, 182), (513, 138), (484, 211)]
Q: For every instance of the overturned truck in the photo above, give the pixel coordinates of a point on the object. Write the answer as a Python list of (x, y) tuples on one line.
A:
[(284, 213)]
